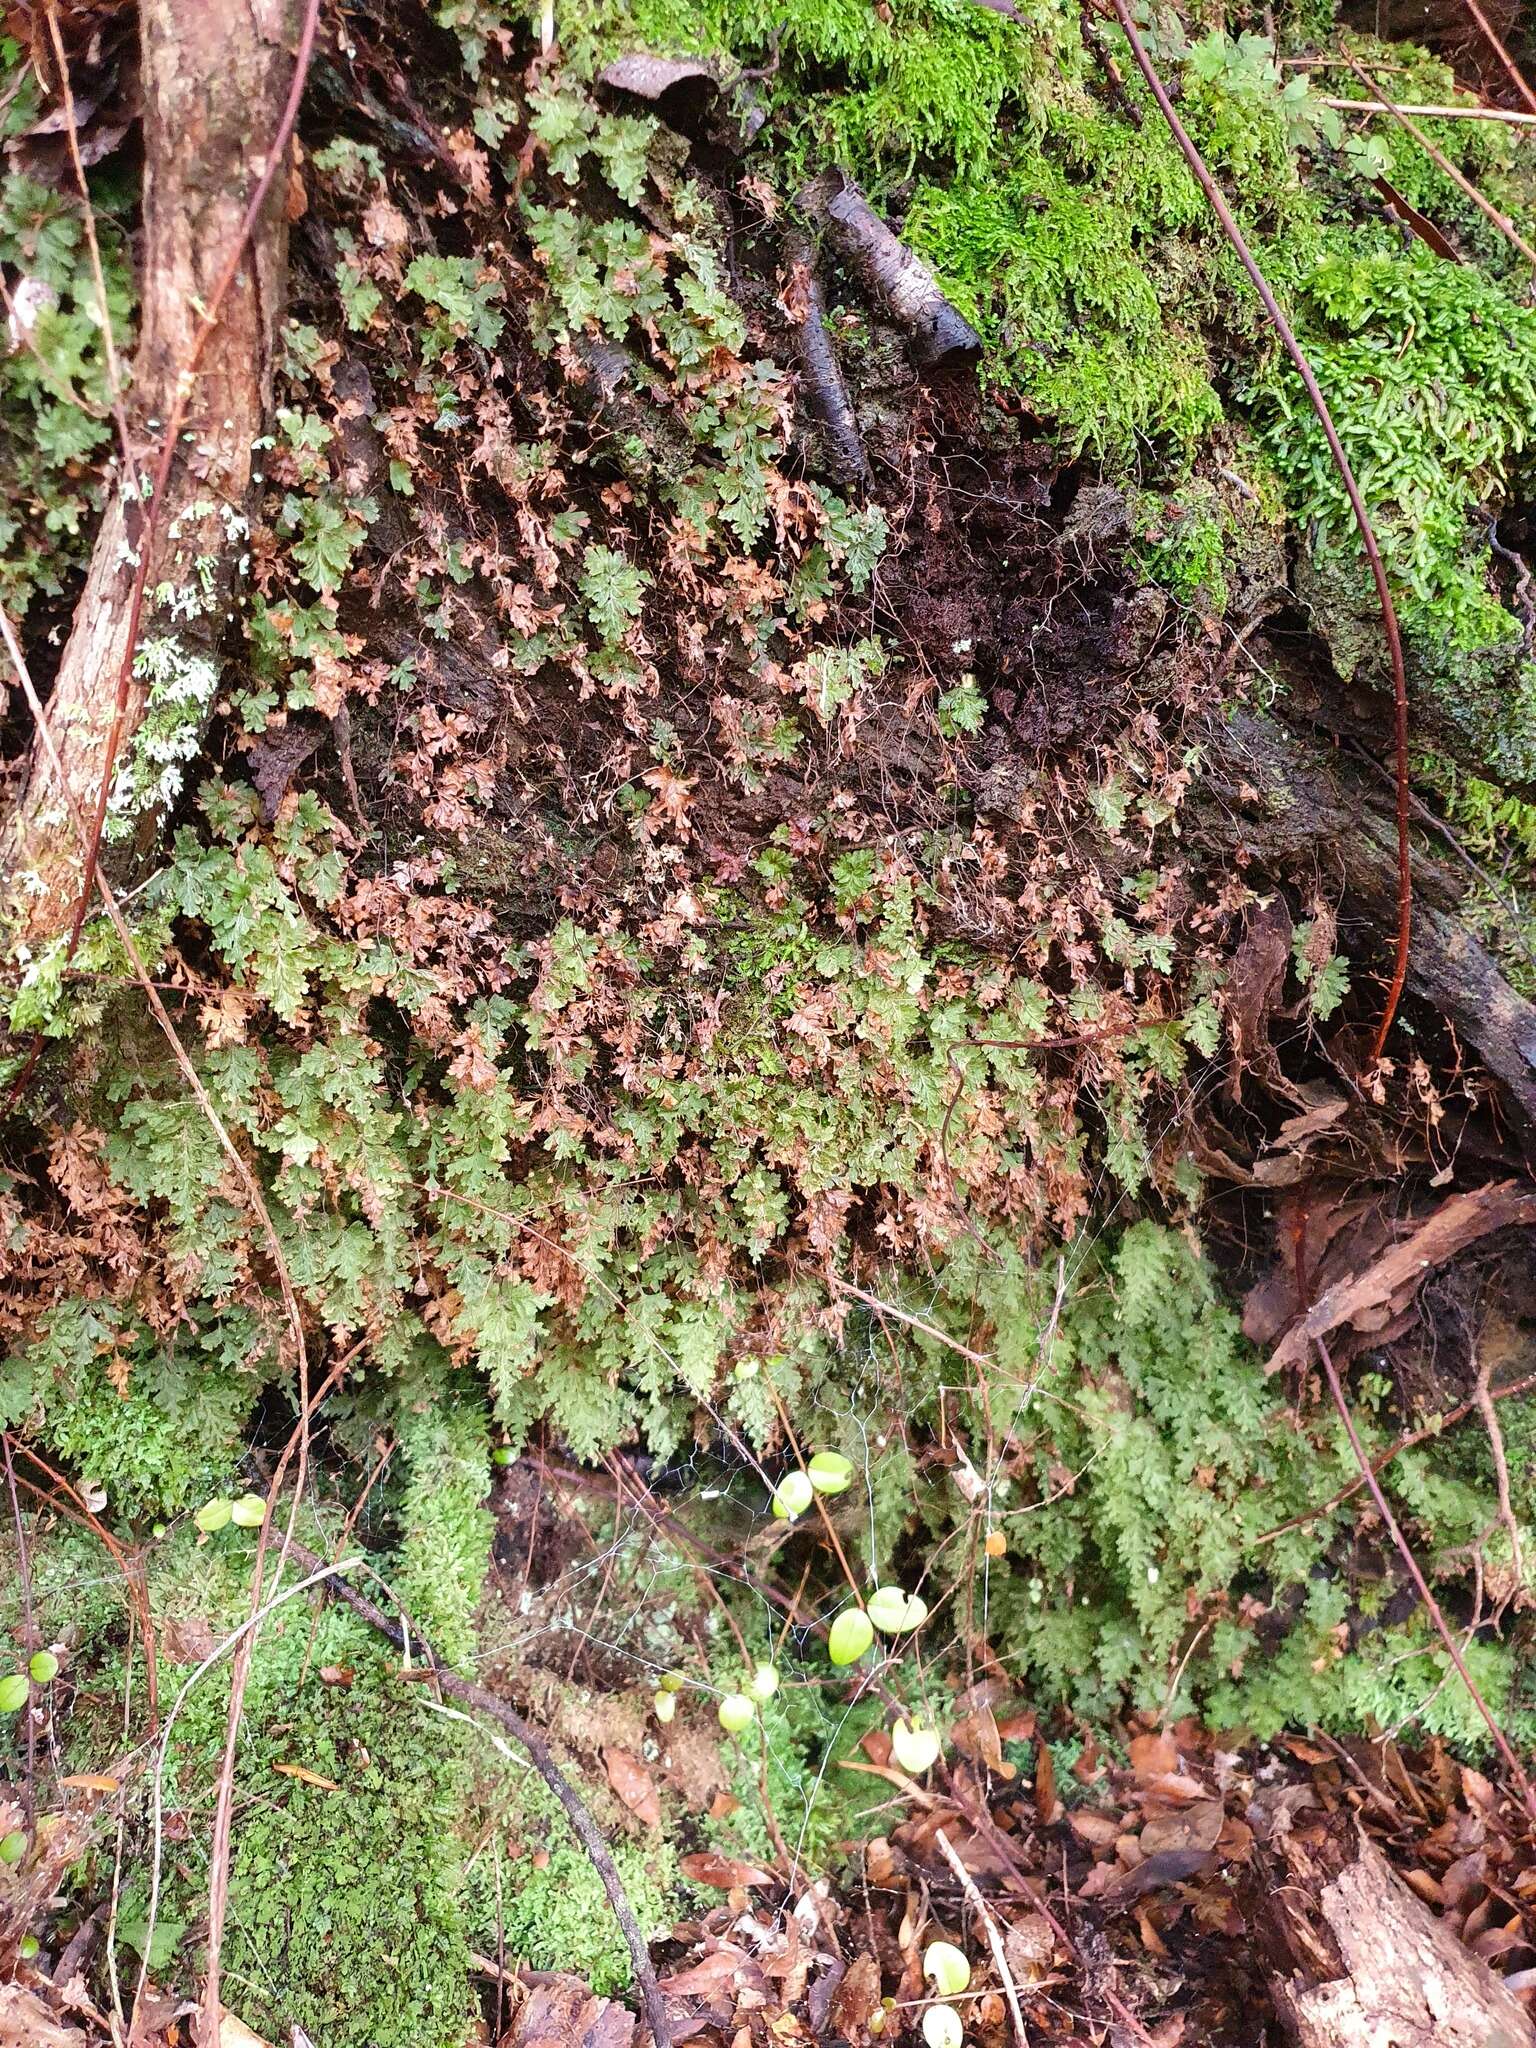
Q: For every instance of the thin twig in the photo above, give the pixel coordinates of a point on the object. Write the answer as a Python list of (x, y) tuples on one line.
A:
[(1438, 1427), (1319, 404), (994, 1935), (887, 1308), (28, 1626), (138, 1598), (1483, 1396), (1442, 163), (585, 1828), (98, 275), (316, 1572), (239, 1678), (1404, 1549), (1433, 113), (1498, 49)]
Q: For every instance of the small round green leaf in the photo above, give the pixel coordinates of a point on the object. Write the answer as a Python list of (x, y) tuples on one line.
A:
[(43, 1666), (792, 1496), (214, 1515), (13, 1846), (15, 1691), (248, 1512), (942, 2028), (850, 1636), (915, 1748), (503, 1455), (894, 1611), (830, 1472), (736, 1712), (27, 1948), (946, 1968), (665, 1706), (764, 1682)]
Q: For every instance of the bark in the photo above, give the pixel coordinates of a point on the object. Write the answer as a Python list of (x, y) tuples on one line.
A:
[(1378, 1970), (1275, 804), (823, 376), (215, 76), (894, 277)]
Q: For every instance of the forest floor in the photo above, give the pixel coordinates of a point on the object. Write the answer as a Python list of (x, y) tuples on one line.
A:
[(749, 1083)]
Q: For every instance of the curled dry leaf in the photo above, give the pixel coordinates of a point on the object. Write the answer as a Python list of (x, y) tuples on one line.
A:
[(632, 1782), (724, 1873)]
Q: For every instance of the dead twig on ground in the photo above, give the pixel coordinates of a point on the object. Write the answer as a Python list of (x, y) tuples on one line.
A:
[(1443, 164), (1432, 113), (1501, 1741), (1437, 1427), (828, 393), (1482, 1396), (993, 1932), (1490, 36)]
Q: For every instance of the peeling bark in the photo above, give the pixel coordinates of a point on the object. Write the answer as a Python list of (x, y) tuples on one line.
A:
[(1378, 1970), (215, 77)]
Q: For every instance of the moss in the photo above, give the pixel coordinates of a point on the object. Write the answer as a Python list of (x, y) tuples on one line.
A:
[(551, 1912)]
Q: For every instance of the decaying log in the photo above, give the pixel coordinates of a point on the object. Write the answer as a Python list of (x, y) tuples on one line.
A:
[(215, 79), (1378, 1970), (893, 276), (1273, 802)]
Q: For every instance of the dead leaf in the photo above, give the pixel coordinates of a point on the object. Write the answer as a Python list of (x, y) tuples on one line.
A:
[(648, 77), (563, 2012), (633, 1783), (1193, 1827), (1170, 1866), (234, 2033), (307, 1777), (723, 1872), (1254, 982), (1153, 1756), (856, 1998), (26, 2022), (976, 1736), (89, 1781)]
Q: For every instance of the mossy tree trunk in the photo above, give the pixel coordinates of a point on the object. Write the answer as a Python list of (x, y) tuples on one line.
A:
[(215, 76)]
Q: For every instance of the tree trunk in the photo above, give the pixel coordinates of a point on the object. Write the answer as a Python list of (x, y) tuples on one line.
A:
[(215, 77)]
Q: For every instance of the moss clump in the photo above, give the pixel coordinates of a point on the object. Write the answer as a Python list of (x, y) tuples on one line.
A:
[(554, 1914)]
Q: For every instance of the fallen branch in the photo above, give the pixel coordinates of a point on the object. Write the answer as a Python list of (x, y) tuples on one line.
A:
[(1368, 541), (889, 271), (823, 373), (1370, 1298), (538, 1752), (1374, 1965)]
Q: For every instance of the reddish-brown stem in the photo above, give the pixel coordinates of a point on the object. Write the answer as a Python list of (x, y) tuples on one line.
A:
[(1319, 404), (1404, 1550), (1490, 36)]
